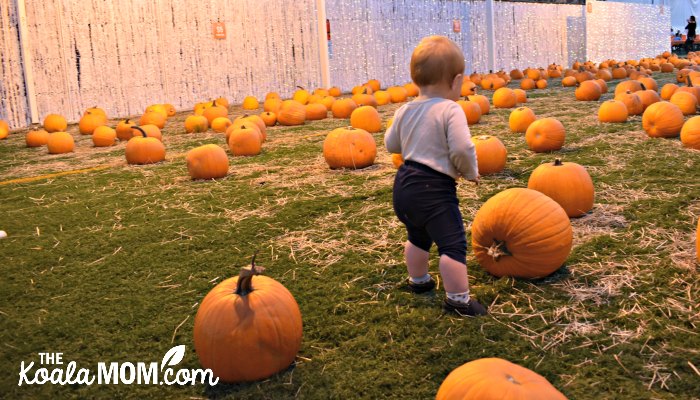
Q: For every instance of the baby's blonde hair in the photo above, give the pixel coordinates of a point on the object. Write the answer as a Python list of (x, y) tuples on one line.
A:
[(436, 59)]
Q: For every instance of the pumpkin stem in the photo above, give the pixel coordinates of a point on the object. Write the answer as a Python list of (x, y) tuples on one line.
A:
[(126, 121), (245, 277), (557, 162), (643, 87), (213, 103), (498, 249), (512, 379), (690, 82), (139, 128), (301, 87)]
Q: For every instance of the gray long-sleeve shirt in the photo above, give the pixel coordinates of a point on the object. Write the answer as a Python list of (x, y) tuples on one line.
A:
[(434, 132)]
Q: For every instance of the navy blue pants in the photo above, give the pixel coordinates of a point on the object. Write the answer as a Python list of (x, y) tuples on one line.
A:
[(426, 202)]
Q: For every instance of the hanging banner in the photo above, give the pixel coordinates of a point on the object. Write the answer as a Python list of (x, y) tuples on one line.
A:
[(219, 30)]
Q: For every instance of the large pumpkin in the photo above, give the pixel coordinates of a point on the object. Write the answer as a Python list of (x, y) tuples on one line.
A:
[(496, 379), (490, 154), (60, 142), (367, 118), (245, 141), (349, 148), (612, 111), (588, 91), (207, 162), (521, 233), (247, 328), (316, 111), (144, 149), (690, 133), (667, 91), (546, 134), (648, 97), (520, 119), (662, 119), (566, 183), (55, 123), (685, 101), (291, 113)]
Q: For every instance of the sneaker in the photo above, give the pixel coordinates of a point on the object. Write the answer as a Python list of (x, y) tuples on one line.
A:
[(471, 308), (421, 287)]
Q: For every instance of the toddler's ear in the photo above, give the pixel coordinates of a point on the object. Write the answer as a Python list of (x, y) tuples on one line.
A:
[(457, 82)]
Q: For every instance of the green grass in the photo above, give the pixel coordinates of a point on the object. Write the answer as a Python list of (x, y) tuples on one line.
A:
[(105, 265)]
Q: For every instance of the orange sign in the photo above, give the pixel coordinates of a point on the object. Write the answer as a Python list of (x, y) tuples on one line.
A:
[(219, 30)]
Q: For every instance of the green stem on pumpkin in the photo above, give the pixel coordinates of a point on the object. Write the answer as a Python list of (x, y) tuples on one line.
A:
[(498, 249)]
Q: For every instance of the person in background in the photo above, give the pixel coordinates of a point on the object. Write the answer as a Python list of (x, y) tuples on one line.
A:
[(691, 33), (432, 135), (677, 36)]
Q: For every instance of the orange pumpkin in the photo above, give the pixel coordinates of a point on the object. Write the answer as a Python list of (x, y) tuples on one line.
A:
[(521, 233), (520, 119), (632, 102), (367, 118), (245, 123), (207, 162), (196, 124), (397, 160), (527, 84), (60, 142), (144, 149), (124, 131), (301, 96), (612, 111), (648, 83), (170, 109), (159, 108), (4, 129), (316, 111), (349, 148), (343, 108), (272, 105), (247, 328), (648, 97), (104, 136), (250, 103), (541, 84), (374, 84), (690, 133), (544, 135), (566, 183), (490, 154), (398, 94), (520, 95), (568, 81), (504, 98), (588, 91), (472, 111), (220, 124), (335, 91), (149, 130), (36, 138), (662, 119), (362, 99), (495, 378), (89, 122), (96, 111), (55, 123), (467, 88), (291, 113), (245, 141), (667, 91), (628, 86), (482, 101), (685, 101), (383, 97), (603, 85), (516, 74), (269, 118), (153, 118), (411, 89), (215, 111)]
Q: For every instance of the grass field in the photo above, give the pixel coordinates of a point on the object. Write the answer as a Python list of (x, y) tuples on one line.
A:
[(110, 265)]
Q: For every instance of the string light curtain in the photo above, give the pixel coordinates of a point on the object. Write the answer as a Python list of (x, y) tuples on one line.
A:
[(374, 39), (13, 101), (625, 31), (536, 35), (124, 55)]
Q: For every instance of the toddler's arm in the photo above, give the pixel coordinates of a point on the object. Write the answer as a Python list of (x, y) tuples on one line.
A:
[(459, 142), (392, 139)]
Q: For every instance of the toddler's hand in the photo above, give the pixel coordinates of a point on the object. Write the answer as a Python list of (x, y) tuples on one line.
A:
[(475, 180)]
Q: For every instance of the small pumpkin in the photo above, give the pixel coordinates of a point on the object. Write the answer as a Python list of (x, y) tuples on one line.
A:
[(221, 101), (690, 133), (150, 131), (328, 102), (527, 84), (104, 136), (521, 233), (247, 328), (482, 101), (398, 94), (495, 378), (335, 91), (207, 162), (316, 111), (588, 91), (272, 105), (467, 88), (612, 111), (516, 74), (667, 91), (662, 119), (412, 89), (544, 135), (367, 118), (4, 129), (220, 124), (490, 154), (124, 131), (215, 111), (170, 109), (159, 108), (520, 95), (603, 85), (89, 122), (36, 138), (60, 143), (55, 123), (541, 84), (397, 160), (363, 99), (648, 83), (504, 98), (291, 113), (374, 84), (144, 149), (153, 118), (632, 102), (568, 81), (520, 119), (269, 118), (96, 111), (383, 97), (250, 103), (245, 123), (349, 148), (628, 86), (343, 108), (567, 183), (245, 141), (195, 124), (301, 96), (472, 111), (648, 97)]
